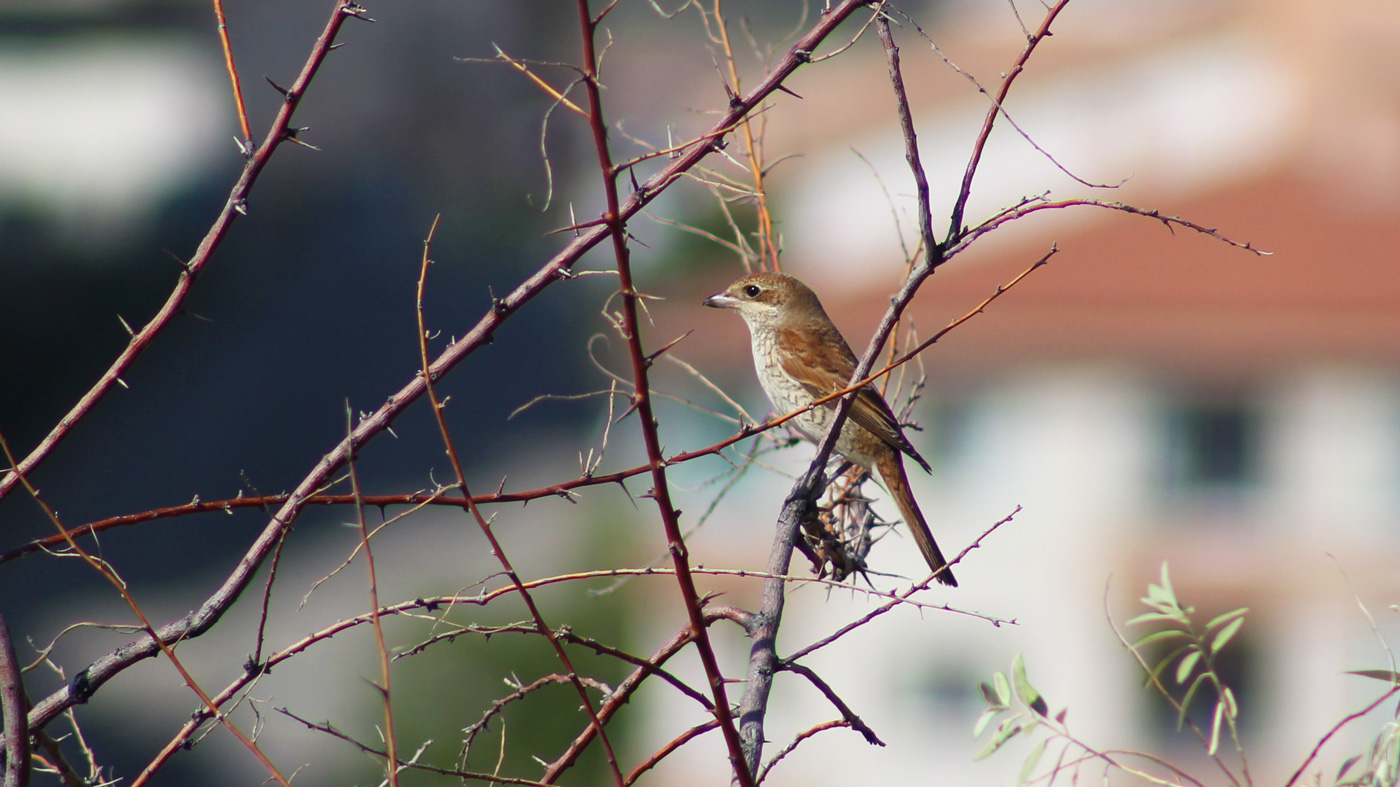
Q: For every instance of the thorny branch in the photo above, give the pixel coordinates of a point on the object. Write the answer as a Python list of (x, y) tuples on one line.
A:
[(484, 525), (745, 741), (641, 402), (13, 705), (202, 619), (763, 659)]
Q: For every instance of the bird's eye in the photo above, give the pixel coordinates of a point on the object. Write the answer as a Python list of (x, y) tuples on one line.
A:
[(752, 290)]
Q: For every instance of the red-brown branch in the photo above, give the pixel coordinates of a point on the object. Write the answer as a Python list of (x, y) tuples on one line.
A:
[(202, 619)]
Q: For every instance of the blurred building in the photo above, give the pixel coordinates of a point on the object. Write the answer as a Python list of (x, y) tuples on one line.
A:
[(1149, 396)]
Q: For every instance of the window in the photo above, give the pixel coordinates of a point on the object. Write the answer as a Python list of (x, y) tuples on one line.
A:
[(1212, 451)]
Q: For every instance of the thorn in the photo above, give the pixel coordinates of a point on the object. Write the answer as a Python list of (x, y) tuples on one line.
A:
[(789, 92), (291, 136), (628, 411), (241, 205), (334, 47), (650, 358), (243, 149), (357, 11), (185, 266), (277, 87), (126, 325)]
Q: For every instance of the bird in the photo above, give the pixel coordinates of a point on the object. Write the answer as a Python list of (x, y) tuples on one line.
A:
[(801, 356)]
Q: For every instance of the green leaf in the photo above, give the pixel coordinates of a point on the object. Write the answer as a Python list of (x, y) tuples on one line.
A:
[(989, 695), (1031, 760), (1157, 600), (1215, 728), (1148, 617), (984, 720), (1025, 690), (1219, 619), (1003, 688), (1186, 700), (1008, 729), (1156, 672), (1187, 665), (1231, 709), (1389, 676), (1157, 636), (1225, 635)]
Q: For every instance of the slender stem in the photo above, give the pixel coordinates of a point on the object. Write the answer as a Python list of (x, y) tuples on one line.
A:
[(485, 525), (965, 190), (232, 72), (202, 619), (80, 687), (641, 400), (13, 706), (391, 765)]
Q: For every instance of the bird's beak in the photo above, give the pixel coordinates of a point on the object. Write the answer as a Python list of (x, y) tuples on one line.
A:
[(722, 300)]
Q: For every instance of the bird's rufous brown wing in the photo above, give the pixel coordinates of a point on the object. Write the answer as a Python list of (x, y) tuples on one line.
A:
[(825, 372)]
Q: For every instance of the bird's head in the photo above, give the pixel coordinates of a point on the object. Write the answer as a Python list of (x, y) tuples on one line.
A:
[(769, 300)]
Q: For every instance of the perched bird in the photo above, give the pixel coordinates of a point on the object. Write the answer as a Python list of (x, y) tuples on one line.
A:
[(800, 357)]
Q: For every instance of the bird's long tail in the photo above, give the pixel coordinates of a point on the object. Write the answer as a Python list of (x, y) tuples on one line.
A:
[(891, 469)]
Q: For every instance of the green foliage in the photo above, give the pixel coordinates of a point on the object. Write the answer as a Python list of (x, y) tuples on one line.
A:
[(1190, 659), (1382, 760), (1193, 655), (1023, 708)]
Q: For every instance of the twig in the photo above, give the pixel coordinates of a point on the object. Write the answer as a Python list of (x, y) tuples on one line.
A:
[(79, 689), (902, 598), (911, 140), (641, 401), (617, 699), (671, 746), (646, 666), (232, 73), (198, 622), (846, 713), (13, 706), (1336, 728), (965, 190), (485, 525), (792, 745), (767, 245), (381, 648), (1036, 205), (418, 766)]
